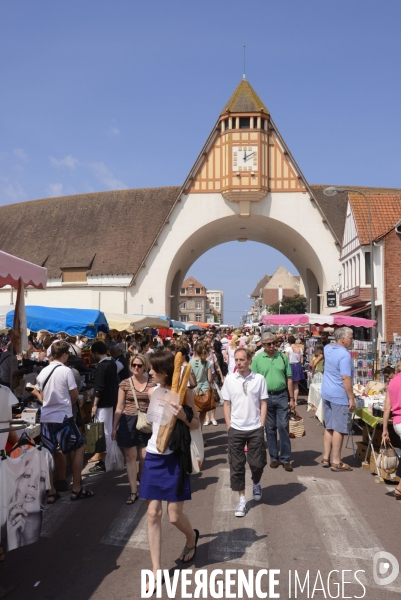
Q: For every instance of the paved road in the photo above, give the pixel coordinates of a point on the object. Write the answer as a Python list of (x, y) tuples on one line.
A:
[(311, 519)]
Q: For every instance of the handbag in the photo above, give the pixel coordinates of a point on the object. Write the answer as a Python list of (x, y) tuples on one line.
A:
[(142, 423), (296, 424), (197, 450), (95, 438), (387, 458), (204, 401)]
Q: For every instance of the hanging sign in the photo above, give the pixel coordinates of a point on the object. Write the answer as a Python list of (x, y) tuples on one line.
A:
[(331, 299)]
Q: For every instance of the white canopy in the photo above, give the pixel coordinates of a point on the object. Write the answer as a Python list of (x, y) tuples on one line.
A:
[(130, 323), (13, 268)]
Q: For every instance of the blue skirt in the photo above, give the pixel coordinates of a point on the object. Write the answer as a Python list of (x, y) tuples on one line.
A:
[(297, 372), (159, 478)]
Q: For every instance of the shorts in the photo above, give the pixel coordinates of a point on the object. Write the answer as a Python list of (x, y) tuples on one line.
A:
[(336, 416), (128, 436), (65, 434)]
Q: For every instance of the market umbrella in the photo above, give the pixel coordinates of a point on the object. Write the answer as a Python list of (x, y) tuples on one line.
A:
[(177, 325), (131, 323), (192, 327)]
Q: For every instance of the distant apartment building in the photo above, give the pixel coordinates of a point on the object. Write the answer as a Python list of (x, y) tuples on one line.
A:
[(194, 305), (216, 299)]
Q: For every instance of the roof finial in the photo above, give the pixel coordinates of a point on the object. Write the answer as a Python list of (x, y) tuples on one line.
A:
[(244, 76)]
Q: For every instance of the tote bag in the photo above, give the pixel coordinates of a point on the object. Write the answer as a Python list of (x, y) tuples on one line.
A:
[(296, 425), (94, 436)]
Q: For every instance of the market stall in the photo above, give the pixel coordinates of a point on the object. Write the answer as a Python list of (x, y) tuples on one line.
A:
[(318, 320), (73, 321)]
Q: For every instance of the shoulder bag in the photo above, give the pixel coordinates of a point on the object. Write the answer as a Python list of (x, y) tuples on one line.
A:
[(203, 401), (142, 423)]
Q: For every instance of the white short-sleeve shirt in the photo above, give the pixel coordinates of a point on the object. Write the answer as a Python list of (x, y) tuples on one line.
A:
[(56, 396), (246, 395)]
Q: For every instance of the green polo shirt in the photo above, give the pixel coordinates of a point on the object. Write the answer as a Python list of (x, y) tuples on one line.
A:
[(275, 370)]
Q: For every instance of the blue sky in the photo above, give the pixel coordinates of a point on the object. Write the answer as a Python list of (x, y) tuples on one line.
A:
[(101, 95)]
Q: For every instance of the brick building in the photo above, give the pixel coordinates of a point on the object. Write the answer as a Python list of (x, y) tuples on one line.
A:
[(194, 305), (354, 276)]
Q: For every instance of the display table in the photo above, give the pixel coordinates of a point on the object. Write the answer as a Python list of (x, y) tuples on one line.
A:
[(370, 422), (315, 400)]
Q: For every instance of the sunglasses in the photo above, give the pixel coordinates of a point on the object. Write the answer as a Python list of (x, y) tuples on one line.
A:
[(137, 366), (269, 343)]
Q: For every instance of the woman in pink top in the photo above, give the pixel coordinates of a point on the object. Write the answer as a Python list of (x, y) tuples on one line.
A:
[(393, 403)]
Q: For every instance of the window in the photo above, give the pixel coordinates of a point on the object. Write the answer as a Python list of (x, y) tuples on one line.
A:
[(183, 290), (198, 305), (367, 268), (217, 304), (197, 290), (74, 275), (198, 318), (184, 318), (183, 305), (244, 123)]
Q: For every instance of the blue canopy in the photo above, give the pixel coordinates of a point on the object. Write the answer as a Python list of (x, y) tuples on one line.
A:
[(177, 325), (74, 321)]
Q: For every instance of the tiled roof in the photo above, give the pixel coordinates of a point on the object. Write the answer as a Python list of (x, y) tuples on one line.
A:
[(196, 283), (105, 232), (259, 286), (385, 209), (334, 209), (244, 99)]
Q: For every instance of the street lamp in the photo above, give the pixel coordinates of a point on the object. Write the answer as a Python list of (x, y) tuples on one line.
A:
[(332, 191)]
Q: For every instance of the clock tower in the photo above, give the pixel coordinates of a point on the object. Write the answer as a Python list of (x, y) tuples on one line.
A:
[(245, 157)]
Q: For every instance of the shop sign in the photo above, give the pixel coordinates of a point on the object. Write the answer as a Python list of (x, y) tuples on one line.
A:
[(352, 293), (331, 299)]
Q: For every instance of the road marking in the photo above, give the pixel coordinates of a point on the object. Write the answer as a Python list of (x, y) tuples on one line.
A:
[(129, 528), (54, 516), (348, 538), (234, 539)]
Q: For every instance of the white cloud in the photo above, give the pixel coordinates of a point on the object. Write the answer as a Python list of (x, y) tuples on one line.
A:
[(106, 177), (114, 130), (69, 161), (54, 189), (15, 192), (20, 154)]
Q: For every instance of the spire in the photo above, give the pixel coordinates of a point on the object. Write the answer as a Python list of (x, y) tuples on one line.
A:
[(244, 99)]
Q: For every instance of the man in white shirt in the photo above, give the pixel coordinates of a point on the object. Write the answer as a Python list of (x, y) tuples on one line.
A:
[(245, 392), (58, 389)]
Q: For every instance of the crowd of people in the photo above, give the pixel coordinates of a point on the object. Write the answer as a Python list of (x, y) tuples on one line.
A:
[(255, 377)]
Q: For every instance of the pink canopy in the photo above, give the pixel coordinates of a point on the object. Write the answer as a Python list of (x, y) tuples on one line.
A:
[(13, 268), (315, 319)]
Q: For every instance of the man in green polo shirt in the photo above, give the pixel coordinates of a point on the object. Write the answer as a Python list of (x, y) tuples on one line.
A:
[(276, 369)]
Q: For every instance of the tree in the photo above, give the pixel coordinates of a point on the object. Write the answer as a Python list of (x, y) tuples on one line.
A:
[(290, 305)]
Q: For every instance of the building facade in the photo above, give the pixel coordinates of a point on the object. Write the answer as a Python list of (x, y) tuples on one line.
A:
[(271, 288), (194, 305), (216, 300)]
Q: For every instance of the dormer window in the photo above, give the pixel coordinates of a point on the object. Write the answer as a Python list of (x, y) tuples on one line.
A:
[(197, 290)]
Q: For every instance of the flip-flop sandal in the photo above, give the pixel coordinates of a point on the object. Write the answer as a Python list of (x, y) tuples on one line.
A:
[(340, 467), (133, 497), (325, 463), (82, 495), (188, 550), (56, 497)]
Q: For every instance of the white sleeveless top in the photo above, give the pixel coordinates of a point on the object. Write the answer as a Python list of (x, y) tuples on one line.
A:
[(294, 358)]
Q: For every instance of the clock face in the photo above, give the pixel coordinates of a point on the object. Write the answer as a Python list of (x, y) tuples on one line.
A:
[(245, 158)]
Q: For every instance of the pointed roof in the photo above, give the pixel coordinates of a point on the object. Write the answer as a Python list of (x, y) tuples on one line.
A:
[(244, 99), (259, 286)]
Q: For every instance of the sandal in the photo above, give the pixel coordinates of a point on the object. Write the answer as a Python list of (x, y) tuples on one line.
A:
[(325, 463), (55, 497), (82, 494), (188, 550), (130, 499), (397, 496), (340, 467)]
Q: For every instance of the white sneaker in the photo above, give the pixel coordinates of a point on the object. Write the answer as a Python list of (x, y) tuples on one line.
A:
[(240, 511), (257, 491), (206, 423), (214, 422)]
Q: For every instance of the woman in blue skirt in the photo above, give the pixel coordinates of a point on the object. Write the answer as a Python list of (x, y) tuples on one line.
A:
[(161, 472)]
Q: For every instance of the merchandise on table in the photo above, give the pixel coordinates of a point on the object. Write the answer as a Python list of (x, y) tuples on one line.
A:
[(362, 356)]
